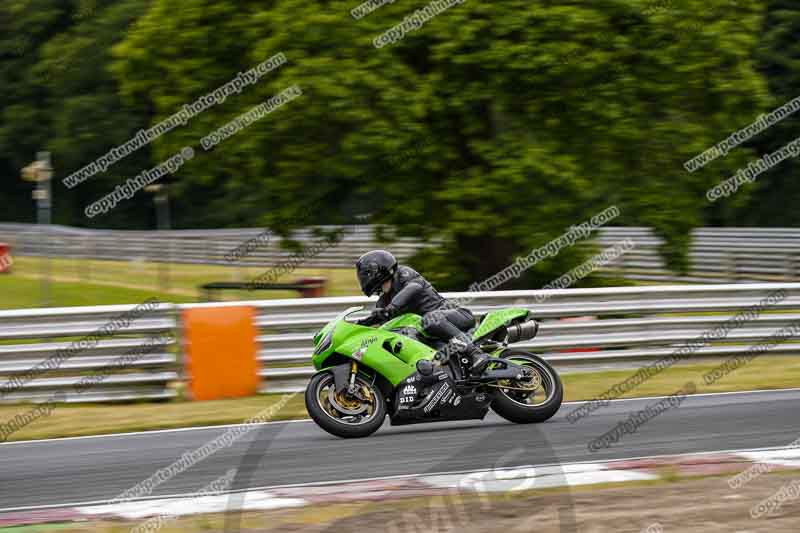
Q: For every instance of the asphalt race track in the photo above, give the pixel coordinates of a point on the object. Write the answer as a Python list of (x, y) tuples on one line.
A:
[(94, 469)]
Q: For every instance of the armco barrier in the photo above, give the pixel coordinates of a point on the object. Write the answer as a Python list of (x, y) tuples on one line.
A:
[(716, 255), (198, 246), (88, 353), (634, 326)]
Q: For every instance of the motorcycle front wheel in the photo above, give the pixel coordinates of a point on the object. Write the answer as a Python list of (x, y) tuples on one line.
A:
[(344, 414)]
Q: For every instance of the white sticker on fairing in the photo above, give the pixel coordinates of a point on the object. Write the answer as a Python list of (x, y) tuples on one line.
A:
[(437, 397)]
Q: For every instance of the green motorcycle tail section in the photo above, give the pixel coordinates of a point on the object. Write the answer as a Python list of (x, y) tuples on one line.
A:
[(491, 322), (497, 319)]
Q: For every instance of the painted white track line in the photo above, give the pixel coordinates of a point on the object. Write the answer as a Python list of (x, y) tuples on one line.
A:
[(573, 474)]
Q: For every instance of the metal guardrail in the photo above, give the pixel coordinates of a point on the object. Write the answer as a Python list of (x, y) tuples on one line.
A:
[(634, 325), (717, 255), (629, 327), (137, 362), (196, 246)]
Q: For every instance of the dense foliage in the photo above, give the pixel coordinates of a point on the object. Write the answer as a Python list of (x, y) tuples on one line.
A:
[(494, 126)]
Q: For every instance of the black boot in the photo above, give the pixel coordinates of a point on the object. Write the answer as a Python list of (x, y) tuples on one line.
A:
[(470, 354), (455, 347), (480, 360)]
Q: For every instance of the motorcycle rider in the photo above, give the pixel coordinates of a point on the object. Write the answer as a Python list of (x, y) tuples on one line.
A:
[(404, 290)]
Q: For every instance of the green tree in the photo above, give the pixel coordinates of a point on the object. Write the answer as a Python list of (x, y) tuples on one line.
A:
[(24, 26), (773, 196), (510, 144), (60, 96)]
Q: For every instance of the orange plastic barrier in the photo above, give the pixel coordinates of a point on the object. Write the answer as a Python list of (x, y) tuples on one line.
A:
[(221, 352)]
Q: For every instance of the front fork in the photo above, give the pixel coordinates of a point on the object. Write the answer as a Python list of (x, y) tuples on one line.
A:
[(351, 382), (344, 376), (354, 391)]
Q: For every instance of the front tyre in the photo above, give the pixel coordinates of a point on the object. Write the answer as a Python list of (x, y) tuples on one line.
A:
[(343, 414), (531, 400)]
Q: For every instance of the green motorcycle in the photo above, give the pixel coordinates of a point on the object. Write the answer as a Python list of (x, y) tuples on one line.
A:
[(365, 373)]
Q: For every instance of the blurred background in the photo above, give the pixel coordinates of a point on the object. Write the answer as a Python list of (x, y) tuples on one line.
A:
[(461, 138), (481, 135)]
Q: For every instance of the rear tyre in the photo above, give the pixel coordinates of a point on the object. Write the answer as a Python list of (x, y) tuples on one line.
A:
[(531, 400), (342, 414)]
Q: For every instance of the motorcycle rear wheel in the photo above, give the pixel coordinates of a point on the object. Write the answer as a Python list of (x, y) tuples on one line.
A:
[(519, 401)]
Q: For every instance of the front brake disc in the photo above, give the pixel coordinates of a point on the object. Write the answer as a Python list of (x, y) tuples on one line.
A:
[(345, 405)]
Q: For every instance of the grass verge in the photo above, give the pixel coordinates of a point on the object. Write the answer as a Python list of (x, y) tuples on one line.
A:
[(19, 293), (94, 282), (765, 372)]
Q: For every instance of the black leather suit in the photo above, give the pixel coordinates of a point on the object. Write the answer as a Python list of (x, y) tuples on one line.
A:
[(411, 293)]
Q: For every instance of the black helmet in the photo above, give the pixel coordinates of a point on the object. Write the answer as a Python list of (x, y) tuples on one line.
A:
[(373, 268)]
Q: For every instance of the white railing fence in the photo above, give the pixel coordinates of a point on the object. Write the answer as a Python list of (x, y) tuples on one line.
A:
[(717, 255), (580, 329)]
